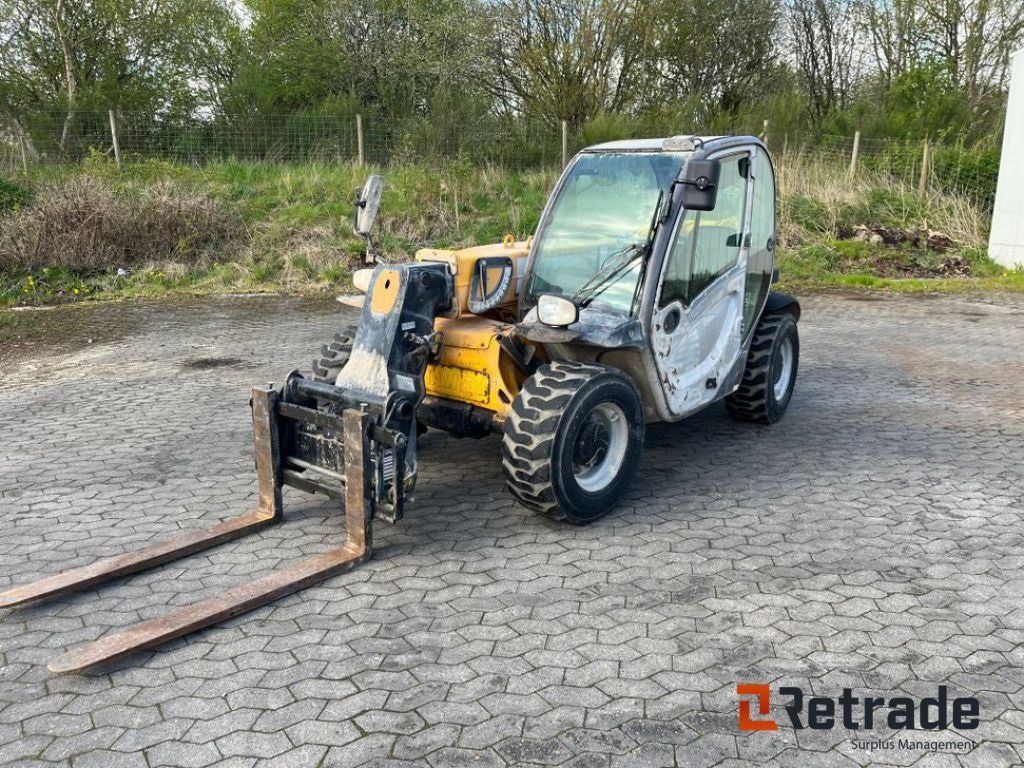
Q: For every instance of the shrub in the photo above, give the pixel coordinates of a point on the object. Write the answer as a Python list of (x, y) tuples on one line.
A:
[(892, 207), (12, 196), (81, 224), (810, 215)]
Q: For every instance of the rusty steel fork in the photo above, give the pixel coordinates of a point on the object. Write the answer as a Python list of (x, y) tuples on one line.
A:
[(358, 547)]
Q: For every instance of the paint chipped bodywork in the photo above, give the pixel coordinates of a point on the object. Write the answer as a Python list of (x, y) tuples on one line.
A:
[(596, 327), (366, 371), (696, 358)]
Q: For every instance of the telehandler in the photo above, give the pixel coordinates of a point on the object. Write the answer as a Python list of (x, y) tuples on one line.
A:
[(644, 296)]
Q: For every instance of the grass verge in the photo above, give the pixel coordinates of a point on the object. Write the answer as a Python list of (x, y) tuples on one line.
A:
[(86, 232)]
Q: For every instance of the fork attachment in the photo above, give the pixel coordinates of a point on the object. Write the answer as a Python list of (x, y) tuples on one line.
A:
[(275, 424), (357, 428), (266, 440), (354, 441)]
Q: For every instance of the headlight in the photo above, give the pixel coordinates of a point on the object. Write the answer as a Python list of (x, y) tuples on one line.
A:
[(556, 311)]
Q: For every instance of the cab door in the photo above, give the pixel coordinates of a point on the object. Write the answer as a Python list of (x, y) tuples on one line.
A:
[(697, 329)]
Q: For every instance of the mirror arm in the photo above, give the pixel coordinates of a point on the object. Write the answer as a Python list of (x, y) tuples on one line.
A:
[(702, 183)]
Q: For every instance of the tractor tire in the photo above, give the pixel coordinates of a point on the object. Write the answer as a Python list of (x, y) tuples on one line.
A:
[(770, 375), (333, 356), (572, 440)]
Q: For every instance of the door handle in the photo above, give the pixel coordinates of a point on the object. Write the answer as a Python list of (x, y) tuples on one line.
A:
[(671, 320)]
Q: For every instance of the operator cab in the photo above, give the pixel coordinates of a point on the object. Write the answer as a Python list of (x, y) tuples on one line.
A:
[(657, 254)]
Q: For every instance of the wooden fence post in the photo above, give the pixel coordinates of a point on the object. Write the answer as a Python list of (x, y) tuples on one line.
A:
[(922, 185), (24, 151), (856, 153), (359, 140), (565, 143), (113, 136)]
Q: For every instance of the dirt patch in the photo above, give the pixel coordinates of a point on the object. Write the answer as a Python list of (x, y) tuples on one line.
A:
[(891, 266), (34, 334), (58, 330), (206, 363)]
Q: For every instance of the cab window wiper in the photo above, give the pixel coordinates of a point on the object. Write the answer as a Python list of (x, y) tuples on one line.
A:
[(626, 257), (614, 266)]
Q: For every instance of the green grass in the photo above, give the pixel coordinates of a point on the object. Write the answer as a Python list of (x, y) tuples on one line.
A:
[(834, 264), (297, 234)]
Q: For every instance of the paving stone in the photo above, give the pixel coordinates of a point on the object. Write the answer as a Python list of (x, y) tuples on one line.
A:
[(426, 741), (178, 754), (871, 539), (546, 752), (370, 748), (490, 732), (326, 733), (707, 750), (300, 757), (251, 744), (383, 721), (103, 759), (456, 757), (646, 756)]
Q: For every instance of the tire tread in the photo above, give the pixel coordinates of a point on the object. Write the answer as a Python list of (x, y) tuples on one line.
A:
[(530, 428), (334, 355), (750, 400)]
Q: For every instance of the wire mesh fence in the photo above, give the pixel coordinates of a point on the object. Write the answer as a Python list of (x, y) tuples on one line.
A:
[(293, 138), (58, 137), (968, 171)]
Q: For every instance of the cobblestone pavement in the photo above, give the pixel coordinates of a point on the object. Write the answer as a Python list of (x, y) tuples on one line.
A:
[(871, 540)]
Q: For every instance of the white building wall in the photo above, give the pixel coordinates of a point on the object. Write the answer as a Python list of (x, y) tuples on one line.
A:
[(1006, 243)]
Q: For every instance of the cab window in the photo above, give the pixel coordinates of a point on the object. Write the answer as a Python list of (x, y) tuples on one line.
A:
[(708, 242)]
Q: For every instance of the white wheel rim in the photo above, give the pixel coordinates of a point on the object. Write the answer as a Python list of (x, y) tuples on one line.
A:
[(783, 370), (606, 433)]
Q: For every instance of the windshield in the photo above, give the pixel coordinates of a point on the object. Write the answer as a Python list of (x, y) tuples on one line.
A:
[(604, 206)]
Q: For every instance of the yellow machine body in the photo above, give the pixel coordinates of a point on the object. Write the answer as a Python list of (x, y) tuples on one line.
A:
[(471, 366), (462, 264)]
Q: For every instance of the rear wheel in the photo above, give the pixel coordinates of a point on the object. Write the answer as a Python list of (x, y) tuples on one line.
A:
[(572, 441), (333, 356), (768, 380)]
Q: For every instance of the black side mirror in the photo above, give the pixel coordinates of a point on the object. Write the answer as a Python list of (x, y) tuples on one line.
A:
[(700, 184), (367, 203)]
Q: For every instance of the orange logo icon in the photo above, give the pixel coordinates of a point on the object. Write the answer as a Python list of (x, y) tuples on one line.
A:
[(747, 723)]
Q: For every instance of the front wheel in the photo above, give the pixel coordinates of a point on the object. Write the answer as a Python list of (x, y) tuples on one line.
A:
[(572, 440)]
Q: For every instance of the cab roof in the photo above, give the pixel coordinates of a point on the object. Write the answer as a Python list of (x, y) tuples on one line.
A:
[(668, 144), (671, 144)]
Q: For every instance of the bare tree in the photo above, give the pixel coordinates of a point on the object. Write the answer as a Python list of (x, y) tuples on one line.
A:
[(894, 27), (70, 81), (81, 54), (569, 59), (721, 52), (827, 51), (974, 38)]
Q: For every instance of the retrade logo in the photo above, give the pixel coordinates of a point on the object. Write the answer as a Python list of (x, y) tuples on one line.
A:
[(899, 713), (762, 694)]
